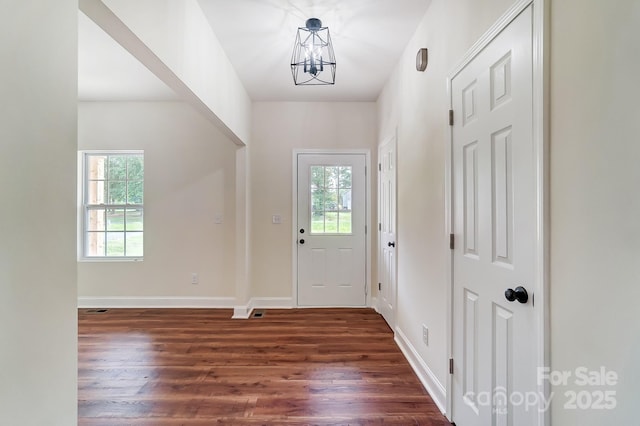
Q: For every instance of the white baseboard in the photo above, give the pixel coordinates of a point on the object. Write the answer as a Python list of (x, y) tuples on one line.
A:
[(272, 302), (374, 304), (244, 312), (424, 373), (239, 311), (156, 302)]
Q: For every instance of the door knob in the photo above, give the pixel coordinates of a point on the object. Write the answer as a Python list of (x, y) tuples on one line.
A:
[(391, 244), (302, 241), (520, 294)]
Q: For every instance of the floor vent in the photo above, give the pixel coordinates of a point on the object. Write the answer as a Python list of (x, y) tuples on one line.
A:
[(96, 311), (257, 314)]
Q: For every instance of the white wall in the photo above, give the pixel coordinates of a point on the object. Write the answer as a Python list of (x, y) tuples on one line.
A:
[(189, 179), (278, 129), (38, 331), (180, 35), (417, 104), (594, 151), (595, 200)]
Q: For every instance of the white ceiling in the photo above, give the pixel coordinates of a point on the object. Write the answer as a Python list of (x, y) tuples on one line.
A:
[(257, 35)]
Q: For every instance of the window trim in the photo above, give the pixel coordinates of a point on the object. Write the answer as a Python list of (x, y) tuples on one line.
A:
[(84, 208)]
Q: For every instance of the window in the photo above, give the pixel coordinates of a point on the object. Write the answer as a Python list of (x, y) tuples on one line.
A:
[(331, 199), (112, 204)]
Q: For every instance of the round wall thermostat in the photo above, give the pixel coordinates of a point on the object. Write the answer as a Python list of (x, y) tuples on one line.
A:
[(422, 58)]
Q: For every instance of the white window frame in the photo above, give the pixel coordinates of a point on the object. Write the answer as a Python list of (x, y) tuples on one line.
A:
[(84, 207)]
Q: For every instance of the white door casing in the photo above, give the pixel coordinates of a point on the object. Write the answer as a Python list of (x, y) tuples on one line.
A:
[(330, 233), (495, 224), (387, 259)]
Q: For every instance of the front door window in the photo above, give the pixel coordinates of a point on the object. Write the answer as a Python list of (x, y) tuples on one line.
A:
[(330, 195)]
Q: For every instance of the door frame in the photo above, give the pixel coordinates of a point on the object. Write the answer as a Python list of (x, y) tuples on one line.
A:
[(541, 157), (294, 216)]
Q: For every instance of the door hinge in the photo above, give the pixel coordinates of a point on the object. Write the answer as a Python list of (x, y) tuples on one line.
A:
[(450, 117), (379, 167), (452, 241), (450, 365), (379, 286), (379, 227)]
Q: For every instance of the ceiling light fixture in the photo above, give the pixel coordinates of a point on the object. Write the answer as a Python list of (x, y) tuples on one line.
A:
[(313, 61)]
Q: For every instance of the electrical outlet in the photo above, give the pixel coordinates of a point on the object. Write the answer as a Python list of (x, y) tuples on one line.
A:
[(425, 334), (194, 278)]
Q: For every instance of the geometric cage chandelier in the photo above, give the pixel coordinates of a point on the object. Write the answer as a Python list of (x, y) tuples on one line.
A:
[(313, 62)]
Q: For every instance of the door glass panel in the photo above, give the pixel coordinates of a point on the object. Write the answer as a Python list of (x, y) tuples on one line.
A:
[(344, 219), (330, 222), (330, 200), (344, 201), (330, 190), (345, 177)]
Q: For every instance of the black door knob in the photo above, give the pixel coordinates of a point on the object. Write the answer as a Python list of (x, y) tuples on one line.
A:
[(391, 244), (302, 230), (520, 294), (301, 241)]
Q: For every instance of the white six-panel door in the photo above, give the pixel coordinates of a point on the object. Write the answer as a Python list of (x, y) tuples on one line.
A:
[(494, 201), (387, 260), (331, 240)]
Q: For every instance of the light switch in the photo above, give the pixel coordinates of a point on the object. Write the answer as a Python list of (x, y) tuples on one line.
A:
[(276, 219), (218, 218)]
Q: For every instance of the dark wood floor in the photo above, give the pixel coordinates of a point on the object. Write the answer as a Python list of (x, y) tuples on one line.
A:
[(199, 367)]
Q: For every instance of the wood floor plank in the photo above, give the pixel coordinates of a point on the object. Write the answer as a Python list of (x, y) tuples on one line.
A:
[(291, 367)]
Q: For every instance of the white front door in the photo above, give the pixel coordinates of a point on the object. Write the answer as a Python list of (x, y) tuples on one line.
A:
[(387, 231), (494, 204), (331, 239)]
